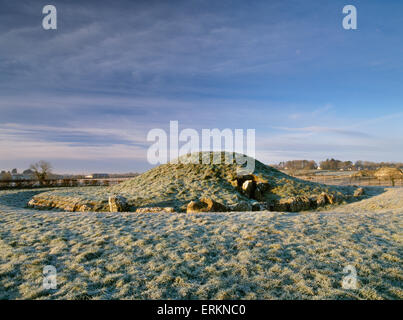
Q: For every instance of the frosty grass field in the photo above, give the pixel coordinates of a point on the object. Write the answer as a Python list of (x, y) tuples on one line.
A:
[(254, 255)]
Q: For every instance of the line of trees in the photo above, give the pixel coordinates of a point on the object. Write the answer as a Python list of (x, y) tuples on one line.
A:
[(40, 171), (369, 165), (298, 165), (334, 164)]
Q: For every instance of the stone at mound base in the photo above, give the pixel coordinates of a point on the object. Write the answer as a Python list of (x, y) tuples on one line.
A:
[(155, 210), (247, 188), (359, 192), (241, 206), (331, 199), (195, 206), (31, 203), (313, 201), (302, 203), (117, 204), (205, 205), (254, 187), (54, 203), (321, 200), (260, 190), (85, 208), (261, 206), (294, 204), (281, 205)]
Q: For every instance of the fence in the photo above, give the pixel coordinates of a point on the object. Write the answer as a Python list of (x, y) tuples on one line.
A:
[(359, 181), (50, 183)]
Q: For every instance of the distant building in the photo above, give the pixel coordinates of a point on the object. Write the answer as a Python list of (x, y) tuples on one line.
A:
[(28, 174), (14, 175), (97, 176), (17, 176)]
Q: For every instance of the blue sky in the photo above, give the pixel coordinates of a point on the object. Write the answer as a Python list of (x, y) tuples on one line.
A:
[(84, 96)]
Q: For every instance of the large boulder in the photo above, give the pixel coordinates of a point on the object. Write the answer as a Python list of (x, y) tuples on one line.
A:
[(260, 189), (32, 203), (117, 203), (252, 186), (248, 188), (205, 205), (321, 199), (42, 203), (69, 205), (244, 177), (214, 206), (359, 192), (325, 198), (196, 206)]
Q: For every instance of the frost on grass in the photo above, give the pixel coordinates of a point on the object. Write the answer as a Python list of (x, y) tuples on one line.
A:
[(254, 255)]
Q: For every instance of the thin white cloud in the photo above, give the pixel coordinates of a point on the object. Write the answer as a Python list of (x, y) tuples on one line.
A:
[(30, 149), (23, 131), (319, 129)]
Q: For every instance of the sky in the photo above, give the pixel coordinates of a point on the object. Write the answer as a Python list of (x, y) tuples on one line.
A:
[(85, 96)]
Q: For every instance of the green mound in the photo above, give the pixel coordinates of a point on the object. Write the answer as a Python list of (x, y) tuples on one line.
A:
[(174, 185)]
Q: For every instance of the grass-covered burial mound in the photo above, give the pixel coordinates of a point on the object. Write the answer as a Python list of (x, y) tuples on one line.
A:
[(198, 187)]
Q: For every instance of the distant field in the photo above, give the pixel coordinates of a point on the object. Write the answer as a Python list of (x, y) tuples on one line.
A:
[(334, 173), (343, 178), (254, 255)]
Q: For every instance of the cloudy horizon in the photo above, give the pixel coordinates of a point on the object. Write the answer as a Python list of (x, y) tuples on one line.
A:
[(84, 96)]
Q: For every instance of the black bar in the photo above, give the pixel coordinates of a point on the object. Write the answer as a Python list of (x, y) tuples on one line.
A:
[(204, 309)]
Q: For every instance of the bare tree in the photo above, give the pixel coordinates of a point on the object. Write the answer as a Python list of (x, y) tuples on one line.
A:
[(42, 170)]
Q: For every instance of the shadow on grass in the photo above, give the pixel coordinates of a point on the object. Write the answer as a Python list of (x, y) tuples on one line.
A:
[(370, 192), (18, 198)]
